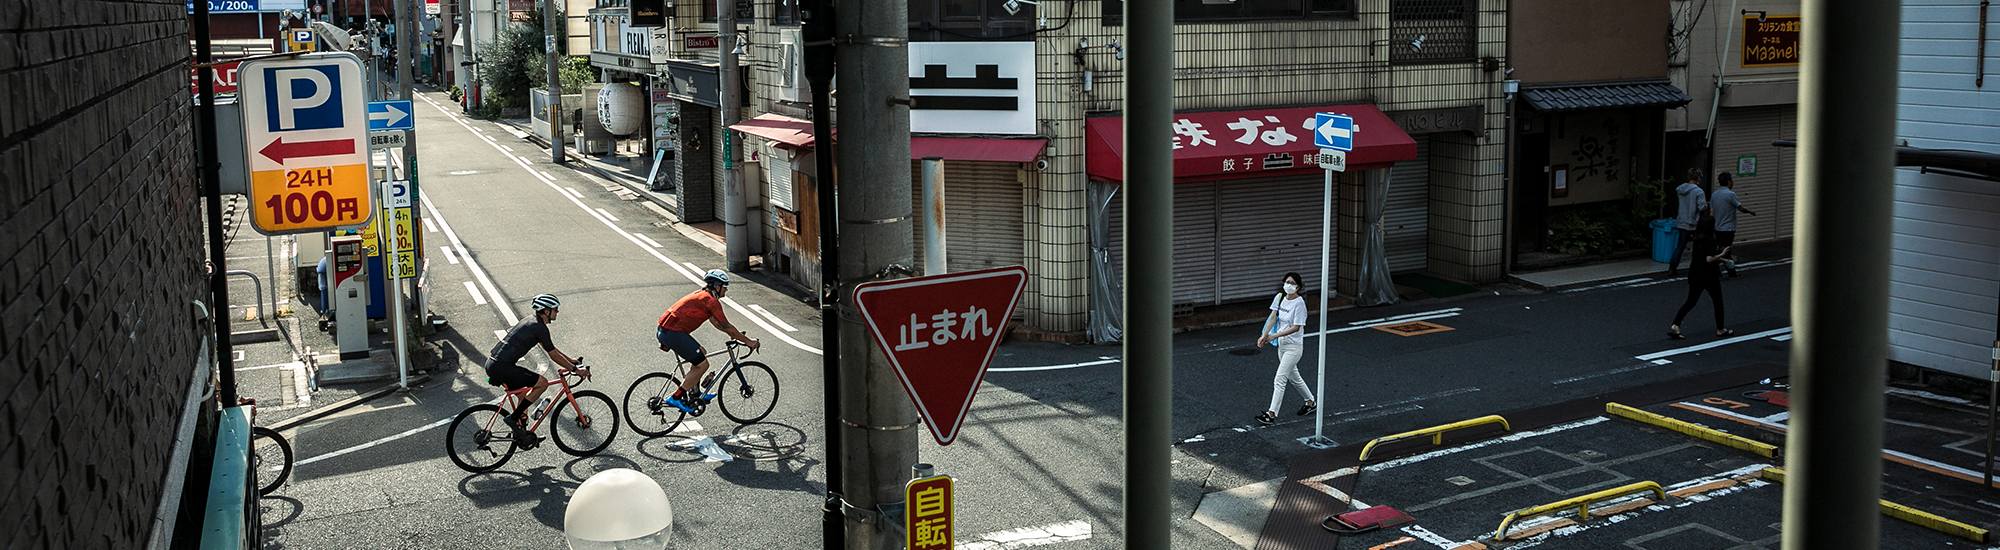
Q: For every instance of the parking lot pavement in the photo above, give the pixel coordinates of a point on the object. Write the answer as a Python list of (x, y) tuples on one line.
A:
[(1719, 491)]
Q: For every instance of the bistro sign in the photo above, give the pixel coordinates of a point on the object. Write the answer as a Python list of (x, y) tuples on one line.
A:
[(1425, 121), (1771, 41)]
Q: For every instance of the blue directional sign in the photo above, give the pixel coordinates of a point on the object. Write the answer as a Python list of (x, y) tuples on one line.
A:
[(391, 115), (1333, 131)]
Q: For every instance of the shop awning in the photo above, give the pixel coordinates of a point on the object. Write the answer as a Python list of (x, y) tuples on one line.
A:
[(780, 128), (793, 132), (1604, 95), (970, 149), (1249, 143)]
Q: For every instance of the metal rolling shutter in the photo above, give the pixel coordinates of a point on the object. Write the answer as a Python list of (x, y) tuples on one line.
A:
[(982, 202), (1787, 167), (1196, 271), (1748, 131), (1268, 226), (1406, 228)]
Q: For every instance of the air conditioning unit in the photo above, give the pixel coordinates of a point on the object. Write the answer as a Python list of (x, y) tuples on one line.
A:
[(791, 61)]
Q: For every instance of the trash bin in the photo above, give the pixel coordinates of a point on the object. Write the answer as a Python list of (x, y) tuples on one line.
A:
[(1664, 239)]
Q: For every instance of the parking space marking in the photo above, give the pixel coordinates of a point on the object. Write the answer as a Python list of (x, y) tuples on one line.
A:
[(1715, 344)]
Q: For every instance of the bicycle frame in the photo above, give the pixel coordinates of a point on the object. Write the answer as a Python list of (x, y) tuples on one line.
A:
[(517, 398), (732, 366)]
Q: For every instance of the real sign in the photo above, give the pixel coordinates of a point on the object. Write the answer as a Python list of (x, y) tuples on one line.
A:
[(939, 333), (305, 138)]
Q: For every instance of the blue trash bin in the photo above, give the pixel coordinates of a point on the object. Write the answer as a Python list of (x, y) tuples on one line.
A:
[(1664, 239)]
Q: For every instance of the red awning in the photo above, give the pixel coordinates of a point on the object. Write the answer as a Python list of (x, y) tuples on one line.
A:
[(793, 132), (993, 150), (1249, 143), (780, 128)]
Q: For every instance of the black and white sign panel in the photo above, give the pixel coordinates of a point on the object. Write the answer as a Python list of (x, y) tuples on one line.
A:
[(972, 87)]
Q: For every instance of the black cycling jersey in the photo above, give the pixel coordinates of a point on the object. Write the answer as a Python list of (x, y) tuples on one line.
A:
[(519, 340)]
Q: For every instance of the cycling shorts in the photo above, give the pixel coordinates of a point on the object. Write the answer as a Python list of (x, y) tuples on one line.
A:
[(682, 344), (512, 376)]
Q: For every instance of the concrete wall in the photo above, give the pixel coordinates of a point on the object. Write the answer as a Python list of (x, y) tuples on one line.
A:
[(100, 258), (1589, 40)]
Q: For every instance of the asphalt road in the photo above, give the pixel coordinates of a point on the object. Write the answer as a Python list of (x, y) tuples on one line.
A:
[(1038, 460)]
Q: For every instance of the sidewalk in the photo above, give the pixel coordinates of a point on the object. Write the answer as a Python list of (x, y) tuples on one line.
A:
[(1749, 255)]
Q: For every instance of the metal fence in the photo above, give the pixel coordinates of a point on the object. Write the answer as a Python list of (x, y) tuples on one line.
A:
[(1432, 31)]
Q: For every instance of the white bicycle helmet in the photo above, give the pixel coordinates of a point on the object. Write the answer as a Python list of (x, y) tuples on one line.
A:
[(545, 301), (715, 277)]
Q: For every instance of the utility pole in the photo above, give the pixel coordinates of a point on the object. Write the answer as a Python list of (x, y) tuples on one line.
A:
[(736, 233), (407, 13), (1840, 305), (816, 19), (878, 423), (1149, 250), (551, 22)]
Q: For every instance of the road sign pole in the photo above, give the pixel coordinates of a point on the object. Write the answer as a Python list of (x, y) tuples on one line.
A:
[(1319, 439), (1149, 250), (392, 279), (817, 28), (211, 185)]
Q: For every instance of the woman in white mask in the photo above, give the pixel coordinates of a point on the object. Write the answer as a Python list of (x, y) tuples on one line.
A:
[(1286, 328)]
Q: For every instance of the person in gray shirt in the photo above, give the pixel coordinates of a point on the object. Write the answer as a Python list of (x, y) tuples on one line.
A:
[(1693, 203), (1725, 206)]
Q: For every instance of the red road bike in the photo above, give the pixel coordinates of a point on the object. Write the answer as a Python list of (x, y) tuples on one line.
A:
[(581, 423)]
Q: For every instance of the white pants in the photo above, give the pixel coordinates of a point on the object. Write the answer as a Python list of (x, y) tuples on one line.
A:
[(1288, 371)]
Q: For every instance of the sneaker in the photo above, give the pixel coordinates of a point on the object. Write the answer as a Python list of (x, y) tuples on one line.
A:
[(1308, 409), (1267, 419), (678, 401)]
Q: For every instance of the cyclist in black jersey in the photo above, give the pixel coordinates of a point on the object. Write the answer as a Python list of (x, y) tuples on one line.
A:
[(501, 369)]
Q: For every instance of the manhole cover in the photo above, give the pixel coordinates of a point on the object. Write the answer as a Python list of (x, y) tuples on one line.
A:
[(1244, 351), (1460, 481)]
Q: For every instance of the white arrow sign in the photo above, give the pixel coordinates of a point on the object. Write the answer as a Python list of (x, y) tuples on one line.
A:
[(389, 115)]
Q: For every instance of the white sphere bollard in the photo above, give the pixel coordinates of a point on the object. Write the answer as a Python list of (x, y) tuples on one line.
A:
[(619, 509)]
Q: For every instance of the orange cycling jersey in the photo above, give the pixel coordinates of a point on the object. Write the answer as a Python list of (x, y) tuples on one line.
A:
[(691, 311)]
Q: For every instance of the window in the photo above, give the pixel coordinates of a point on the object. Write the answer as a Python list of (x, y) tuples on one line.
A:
[(708, 13), (1432, 31), (945, 20), (785, 12), (779, 170), (1211, 10)]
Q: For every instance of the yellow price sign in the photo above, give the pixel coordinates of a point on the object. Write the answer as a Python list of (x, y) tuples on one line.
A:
[(305, 131), (310, 199)]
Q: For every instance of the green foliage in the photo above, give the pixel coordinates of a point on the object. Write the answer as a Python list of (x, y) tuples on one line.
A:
[(1600, 228), (1648, 199), (576, 73), (512, 64)]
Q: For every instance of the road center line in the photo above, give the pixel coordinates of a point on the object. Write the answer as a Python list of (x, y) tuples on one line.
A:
[(1715, 344), (499, 304)]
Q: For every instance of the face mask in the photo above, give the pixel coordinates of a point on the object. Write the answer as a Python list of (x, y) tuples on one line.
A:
[(1291, 288)]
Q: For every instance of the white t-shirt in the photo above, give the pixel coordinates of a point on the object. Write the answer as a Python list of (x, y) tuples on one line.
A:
[(1291, 313)]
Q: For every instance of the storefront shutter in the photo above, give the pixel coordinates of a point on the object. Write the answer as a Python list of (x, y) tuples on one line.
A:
[(982, 202), (1268, 227), (1749, 131), (1406, 227)]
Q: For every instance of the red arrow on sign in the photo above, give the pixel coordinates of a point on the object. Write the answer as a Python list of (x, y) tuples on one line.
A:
[(278, 150), (940, 333)]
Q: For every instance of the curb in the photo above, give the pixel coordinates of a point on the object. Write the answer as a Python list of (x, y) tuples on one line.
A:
[(1698, 431), (344, 404)]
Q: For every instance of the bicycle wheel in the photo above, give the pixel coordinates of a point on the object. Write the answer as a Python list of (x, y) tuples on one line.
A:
[(479, 440), (749, 393), (270, 456), (646, 407), (587, 432)]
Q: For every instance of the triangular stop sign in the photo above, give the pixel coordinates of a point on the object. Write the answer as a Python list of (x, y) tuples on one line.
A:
[(939, 333)]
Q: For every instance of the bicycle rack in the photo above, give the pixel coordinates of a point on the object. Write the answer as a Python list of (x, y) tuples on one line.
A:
[(1581, 504), (261, 318), (1436, 432)]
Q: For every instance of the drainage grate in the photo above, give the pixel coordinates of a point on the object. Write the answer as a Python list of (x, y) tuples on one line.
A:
[(1183, 310)]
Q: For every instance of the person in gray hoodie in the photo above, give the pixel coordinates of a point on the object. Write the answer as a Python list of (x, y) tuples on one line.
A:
[(1693, 203)]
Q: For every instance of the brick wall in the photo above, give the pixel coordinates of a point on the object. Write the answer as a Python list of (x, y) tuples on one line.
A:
[(100, 256)]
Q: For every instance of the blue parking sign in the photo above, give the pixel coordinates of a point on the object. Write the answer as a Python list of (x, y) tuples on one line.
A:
[(303, 98), (1333, 131)]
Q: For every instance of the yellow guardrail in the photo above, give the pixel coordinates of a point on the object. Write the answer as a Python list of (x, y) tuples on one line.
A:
[(1702, 432), (1581, 504), (1436, 432), (1923, 519)]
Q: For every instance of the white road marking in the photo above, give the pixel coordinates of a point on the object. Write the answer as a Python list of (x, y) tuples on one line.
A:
[(1055, 367), (649, 240), (286, 366), (694, 268), (1517, 436), (688, 426), (1621, 370), (774, 318), (448, 256), (691, 276), (1371, 323), (607, 214), (572, 190), (499, 335), (474, 291), (428, 228), (509, 149), (1606, 285), (1784, 338), (1026, 537), (1715, 344), (412, 431), (545, 173), (470, 264)]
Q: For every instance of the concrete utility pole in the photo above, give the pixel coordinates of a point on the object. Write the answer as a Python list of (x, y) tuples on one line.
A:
[(551, 22), (1149, 251), (736, 232), (878, 423), (1840, 305), (407, 12)]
